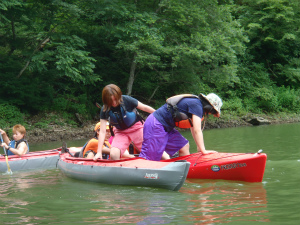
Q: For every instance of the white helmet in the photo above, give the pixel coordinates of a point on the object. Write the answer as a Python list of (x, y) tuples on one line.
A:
[(215, 101)]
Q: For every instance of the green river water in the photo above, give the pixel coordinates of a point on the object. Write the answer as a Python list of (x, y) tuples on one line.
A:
[(48, 197)]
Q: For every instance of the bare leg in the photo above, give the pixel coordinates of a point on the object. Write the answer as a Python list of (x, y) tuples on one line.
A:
[(127, 155), (115, 153), (90, 155), (165, 156), (185, 150)]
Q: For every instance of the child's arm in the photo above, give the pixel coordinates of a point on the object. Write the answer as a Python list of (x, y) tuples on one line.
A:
[(20, 150), (4, 136)]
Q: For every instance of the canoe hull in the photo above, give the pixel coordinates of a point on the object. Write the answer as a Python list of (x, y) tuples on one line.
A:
[(33, 160), (247, 167), (169, 176)]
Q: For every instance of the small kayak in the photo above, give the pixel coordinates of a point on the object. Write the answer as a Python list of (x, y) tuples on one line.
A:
[(132, 171), (33, 160), (249, 167)]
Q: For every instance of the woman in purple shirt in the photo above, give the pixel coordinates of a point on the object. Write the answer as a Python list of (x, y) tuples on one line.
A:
[(159, 130)]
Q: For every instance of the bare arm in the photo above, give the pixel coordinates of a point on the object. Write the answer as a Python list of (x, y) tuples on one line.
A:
[(20, 150), (101, 139), (145, 108), (198, 135)]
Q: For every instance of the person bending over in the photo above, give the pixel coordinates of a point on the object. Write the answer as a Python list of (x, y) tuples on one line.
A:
[(121, 110), (184, 111)]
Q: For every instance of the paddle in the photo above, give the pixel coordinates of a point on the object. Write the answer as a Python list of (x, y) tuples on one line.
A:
[(6, 158), (98, 105)]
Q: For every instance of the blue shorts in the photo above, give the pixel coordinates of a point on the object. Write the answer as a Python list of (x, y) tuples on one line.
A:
[(157, 140)]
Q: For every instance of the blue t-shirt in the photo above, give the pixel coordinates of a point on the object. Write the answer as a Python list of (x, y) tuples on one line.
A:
[(129, 102), (189, 106)]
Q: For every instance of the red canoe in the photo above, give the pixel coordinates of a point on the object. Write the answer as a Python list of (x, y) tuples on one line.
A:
[(249, 167)]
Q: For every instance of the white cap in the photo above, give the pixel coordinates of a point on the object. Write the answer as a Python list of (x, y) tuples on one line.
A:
[(215, 101)]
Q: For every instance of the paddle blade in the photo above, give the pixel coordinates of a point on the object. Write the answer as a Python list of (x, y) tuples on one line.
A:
[(8, 172), (8, 167)]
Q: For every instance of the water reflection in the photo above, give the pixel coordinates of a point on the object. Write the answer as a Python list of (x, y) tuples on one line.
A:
[(17, 195), (222, 202), (132, 205), (48, 197), (198, 202)]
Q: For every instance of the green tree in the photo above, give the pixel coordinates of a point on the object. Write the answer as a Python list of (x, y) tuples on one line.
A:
[(273, 30), (170, 45), (271, 62), (40, 52)]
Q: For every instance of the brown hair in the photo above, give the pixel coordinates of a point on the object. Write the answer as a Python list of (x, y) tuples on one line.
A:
[(108, 91), (19, 128)]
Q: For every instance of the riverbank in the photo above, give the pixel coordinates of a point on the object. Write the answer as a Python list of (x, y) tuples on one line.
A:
[(54, 132)]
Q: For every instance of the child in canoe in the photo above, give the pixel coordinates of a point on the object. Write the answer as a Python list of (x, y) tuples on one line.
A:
[(18, 146), (89, 150)]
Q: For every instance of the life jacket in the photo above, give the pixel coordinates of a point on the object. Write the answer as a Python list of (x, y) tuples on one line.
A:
[(104, 156), (14, 144), (122, 119), (181, 119)]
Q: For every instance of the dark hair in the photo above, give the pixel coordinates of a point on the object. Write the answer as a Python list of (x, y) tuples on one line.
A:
[(96, 135), (207, 107)]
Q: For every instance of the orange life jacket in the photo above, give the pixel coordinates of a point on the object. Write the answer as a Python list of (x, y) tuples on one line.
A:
[(181, 120), (92, 144)]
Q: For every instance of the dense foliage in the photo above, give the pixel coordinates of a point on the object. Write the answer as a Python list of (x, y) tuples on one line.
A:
[(57, 55)]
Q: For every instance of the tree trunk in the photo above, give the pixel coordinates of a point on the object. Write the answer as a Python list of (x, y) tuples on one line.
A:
[(153, 93), (13, 48), (41, 45), (131, 75)]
